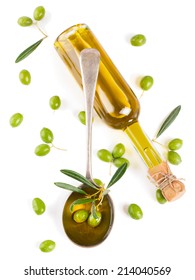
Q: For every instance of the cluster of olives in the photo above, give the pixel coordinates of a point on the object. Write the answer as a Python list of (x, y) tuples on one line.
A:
[(172, 156), (38, 14), (83, 215), (47, 136), (115, 156), (24, 21)]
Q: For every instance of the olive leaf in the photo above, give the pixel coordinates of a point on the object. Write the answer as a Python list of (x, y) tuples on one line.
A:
[(69, 187), (28, 51), (80, 201), (118, 174), (168, 121), (77, 176)]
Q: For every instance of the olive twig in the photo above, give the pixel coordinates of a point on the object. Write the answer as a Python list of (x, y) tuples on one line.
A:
[(93, 195), (61, 149), (163, 146), (25, 21), (114, 157), (38, 27), (142, 94), (94, 217)]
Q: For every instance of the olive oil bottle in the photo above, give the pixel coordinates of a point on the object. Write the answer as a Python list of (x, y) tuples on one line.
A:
[(115, 102)]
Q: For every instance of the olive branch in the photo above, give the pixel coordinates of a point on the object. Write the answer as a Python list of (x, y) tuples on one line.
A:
[(99, 190)]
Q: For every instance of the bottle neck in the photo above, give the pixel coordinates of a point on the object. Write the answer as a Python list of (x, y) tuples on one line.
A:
[(143, 145)]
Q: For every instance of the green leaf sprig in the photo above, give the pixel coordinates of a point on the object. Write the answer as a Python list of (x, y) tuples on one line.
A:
[(25, 21), (172, 156), (100, 191), (28, 51), (168, 121), (115, 156)]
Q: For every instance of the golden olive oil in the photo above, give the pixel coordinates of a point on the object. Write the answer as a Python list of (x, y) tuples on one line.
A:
[(82, 233), (115, 102)]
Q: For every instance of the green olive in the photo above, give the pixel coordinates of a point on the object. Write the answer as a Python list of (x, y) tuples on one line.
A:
[(42, 150), (138, 40), (135, 211), (39, 13), (105, 155), (98, 182), (25, 77), (175, 144), (159, 197), (55, 102), (25, 21), (46, 135), (174, 158), (47, 246), (82, 117), (16, 119), (146, 82), (38, 206), (80, 216), (118, 150), (94, 222), (120, 161)]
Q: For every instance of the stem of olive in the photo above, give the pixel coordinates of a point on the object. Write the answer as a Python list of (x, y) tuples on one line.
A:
[(142, 94), (38, 27), (52, 145), (100, 195), (110, 167), (163, 146)]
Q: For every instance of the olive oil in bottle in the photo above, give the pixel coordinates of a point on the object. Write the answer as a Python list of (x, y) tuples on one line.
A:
[(115, 102)]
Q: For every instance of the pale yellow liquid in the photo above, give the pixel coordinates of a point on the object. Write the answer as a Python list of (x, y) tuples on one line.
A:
[(115, 101)]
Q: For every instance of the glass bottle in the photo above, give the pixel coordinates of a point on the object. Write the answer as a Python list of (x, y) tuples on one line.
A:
[(116, 104)]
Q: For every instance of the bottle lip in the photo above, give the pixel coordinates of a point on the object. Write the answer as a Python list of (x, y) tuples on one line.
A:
[(71, 30)]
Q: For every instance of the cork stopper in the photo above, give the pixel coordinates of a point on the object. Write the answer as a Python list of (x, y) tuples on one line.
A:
[(171, 187)]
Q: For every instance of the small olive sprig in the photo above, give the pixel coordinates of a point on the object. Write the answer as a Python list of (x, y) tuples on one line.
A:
[(25, 21), (94, 217), (47, 137), (115, 157), (175, 144)]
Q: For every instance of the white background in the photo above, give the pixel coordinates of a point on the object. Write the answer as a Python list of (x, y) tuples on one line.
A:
[(165, 235)]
